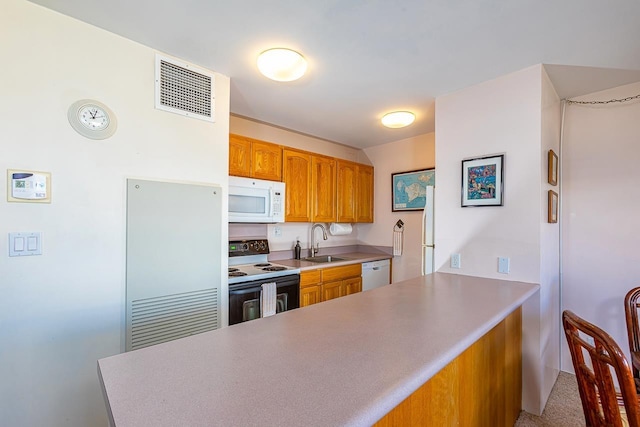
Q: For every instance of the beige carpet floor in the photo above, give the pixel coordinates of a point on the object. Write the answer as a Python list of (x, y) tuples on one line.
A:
[(563, 409)]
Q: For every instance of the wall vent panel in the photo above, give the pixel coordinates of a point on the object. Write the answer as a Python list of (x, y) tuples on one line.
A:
[(174, 261), (165, 318), (184, 89)]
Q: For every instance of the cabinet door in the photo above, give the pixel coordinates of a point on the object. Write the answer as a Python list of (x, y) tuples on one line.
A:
[(332, 274), (323, 183), (347, 181), (310, 295), (266, 161), (364, 205), (296, 174), (353, 285), (239, 156), (332, 290)]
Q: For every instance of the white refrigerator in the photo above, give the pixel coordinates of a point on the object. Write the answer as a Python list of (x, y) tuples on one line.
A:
[(427, 234)]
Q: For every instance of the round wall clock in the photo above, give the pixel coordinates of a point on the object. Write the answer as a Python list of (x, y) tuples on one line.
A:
[(92, 119)]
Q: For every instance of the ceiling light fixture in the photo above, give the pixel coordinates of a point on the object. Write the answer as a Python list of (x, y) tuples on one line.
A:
[(281, 64), (398, 119)]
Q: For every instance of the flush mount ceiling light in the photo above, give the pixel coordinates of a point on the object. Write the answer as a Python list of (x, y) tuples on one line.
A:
[(398, 119), (281, 64)]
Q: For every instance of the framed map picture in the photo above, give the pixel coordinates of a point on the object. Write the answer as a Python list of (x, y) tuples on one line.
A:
[(482, 181), (409, 189)]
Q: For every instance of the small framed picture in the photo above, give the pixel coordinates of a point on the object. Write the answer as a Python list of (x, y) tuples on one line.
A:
[(553, 168), (409, 189), (483, 181), (553, 207)]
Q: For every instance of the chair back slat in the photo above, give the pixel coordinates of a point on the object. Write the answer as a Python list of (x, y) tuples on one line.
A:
[(597, 360), (631, 305)]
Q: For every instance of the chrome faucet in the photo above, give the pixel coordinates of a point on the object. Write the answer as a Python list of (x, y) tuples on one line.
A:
[(316, 247)]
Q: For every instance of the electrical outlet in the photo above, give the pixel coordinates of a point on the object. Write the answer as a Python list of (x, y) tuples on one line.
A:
[(455, 260), (277, 230), (503, 265)]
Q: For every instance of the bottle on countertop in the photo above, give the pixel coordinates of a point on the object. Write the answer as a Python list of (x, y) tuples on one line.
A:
[(297, 249)]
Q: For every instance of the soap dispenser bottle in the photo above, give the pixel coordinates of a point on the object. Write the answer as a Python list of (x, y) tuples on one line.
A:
[(297, 249)]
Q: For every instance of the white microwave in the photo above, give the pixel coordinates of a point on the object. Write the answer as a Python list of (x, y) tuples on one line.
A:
[(255, 200)]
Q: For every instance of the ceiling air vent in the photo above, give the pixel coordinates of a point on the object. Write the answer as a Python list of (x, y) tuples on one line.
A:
[(184, 89)]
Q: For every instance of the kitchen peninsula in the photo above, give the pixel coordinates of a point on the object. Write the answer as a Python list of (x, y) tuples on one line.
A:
[(346, 362)]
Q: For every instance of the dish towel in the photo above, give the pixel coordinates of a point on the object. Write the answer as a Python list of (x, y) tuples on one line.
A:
[(397, 242), (268, 299)]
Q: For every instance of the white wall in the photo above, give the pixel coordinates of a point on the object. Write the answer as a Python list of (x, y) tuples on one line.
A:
[(62, 311), (399, 156), (498, 116), (504, 115), (288, 138), (600, 207), (550, 329)]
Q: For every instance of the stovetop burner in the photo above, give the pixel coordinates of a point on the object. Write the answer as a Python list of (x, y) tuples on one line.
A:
[(248, 261), (274, 268), (237, 274)]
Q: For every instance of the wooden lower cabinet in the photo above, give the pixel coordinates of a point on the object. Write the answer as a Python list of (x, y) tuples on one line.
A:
[(324, 284), (310, 295), (353, 285), (332, 290), (481, 387)]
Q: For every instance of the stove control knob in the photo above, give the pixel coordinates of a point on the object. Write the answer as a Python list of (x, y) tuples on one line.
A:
[(262, 246)]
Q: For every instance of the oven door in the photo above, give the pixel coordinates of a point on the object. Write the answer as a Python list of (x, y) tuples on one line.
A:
[(244, 298)]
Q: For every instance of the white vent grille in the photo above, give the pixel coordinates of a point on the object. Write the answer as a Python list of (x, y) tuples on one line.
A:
[(184, 89), (160, 319)]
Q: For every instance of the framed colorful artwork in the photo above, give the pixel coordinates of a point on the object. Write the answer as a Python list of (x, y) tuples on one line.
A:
[(483, 181), (409, 189), (553, 207), (553, 168)]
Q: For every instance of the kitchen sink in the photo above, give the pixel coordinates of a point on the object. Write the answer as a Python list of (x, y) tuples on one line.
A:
[(324, 258)]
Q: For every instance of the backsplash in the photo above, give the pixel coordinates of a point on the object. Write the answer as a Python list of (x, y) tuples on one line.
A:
[(237, 231), (289, 233)]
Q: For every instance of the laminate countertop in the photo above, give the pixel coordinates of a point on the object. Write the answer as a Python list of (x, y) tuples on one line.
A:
[(344, 362)]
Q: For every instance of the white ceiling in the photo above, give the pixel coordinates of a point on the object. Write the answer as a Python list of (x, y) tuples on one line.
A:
[(368, 57)]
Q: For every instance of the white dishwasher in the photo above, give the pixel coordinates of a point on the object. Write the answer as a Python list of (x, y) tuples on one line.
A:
[(375, 274)]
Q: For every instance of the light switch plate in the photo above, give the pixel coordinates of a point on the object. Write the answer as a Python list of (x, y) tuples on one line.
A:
[(25, 244)]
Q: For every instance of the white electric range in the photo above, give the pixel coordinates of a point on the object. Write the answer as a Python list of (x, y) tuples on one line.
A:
[(249, 268)]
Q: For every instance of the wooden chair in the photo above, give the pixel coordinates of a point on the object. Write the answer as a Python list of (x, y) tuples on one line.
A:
[(601, 404), (631, 305)]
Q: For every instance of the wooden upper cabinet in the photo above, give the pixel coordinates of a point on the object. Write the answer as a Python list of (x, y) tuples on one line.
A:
[(254, 159), (347, 183), (239, 156), (364, 194), (266, 161), (296, 174), (318, 188), (323, 184)]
